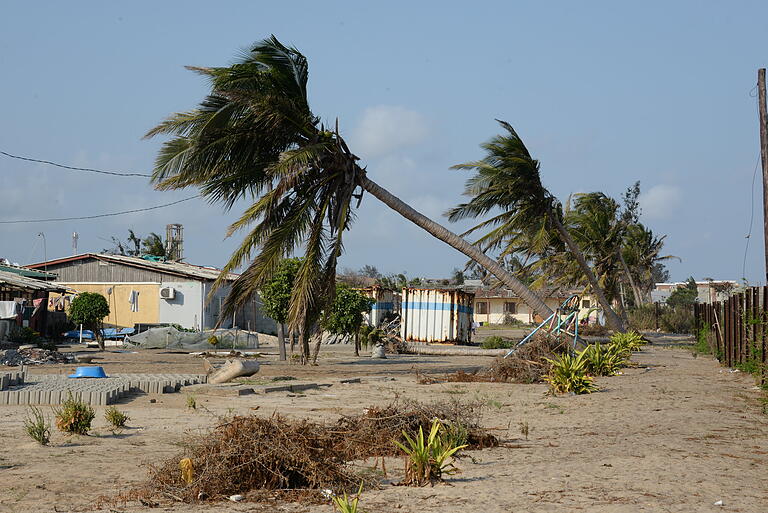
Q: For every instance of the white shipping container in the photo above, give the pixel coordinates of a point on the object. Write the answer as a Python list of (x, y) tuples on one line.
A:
[(436, 315), (387, 303)]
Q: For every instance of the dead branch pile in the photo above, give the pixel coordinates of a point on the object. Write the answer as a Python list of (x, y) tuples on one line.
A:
[(371, 434), (250, 455), (528, 364)]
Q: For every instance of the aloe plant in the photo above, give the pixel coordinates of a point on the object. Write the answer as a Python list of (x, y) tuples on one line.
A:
[(568, 375), (428, 459)]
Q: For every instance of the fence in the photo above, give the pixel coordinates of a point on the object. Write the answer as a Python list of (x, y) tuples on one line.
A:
[(738, 328)]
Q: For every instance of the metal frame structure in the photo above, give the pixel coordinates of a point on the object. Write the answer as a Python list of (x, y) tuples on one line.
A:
[(562, 318)]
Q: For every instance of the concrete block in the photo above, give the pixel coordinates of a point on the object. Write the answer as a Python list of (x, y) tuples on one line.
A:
[(4, 397)]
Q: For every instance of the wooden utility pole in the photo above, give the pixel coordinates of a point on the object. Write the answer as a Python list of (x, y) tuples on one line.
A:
[(764, 158)]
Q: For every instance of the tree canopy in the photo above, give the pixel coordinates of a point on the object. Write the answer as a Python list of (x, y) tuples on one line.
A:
[(90, 309)]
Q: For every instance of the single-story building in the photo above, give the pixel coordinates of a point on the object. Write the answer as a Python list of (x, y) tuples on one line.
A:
[(24, 300), (149, 291), (501, 305), (436, 315), (708, 291)]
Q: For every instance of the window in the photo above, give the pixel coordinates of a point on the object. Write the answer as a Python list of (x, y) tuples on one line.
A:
[(510, 307), (585, 303), (482, 307)]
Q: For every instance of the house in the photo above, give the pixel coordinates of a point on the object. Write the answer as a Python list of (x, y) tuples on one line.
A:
[(502, 306), (709, 291), (24, 300), (150, 291), (386, 305)]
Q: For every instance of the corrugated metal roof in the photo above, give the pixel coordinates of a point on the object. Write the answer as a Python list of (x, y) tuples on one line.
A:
[(22, 282), (175, 268), (30, 273)]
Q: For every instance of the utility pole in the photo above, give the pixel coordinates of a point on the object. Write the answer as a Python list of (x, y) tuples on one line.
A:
[(764, 158)]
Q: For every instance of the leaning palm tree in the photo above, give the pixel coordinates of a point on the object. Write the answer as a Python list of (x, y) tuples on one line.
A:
[(508, 179), (254, 136)]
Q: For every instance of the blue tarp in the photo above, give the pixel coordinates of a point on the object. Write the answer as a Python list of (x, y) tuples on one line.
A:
[(106, 333)]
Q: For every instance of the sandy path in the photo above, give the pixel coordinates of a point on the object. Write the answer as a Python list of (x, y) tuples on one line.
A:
[(675, 434)]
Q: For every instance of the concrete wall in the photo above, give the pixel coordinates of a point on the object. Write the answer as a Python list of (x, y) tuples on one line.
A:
[(185, 308), (120, 314)]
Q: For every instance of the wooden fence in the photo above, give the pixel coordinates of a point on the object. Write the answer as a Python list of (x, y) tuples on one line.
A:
[(738, 328)]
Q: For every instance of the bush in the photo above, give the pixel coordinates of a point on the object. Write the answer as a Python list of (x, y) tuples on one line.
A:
[(37, 426), (74, 416), (427, 459), (567, 374), (90, 309), (347, 504), (629, 341), (23, 336), (116, 417), (496, 342), (642, 318), (602, 360), (677, 320)]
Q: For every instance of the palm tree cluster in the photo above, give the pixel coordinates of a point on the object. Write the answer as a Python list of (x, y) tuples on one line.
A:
[(254, 137)]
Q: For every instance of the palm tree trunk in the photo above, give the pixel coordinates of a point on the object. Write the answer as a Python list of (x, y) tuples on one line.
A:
[(614, 321), (281, 340), (456, 242), (635, 290)]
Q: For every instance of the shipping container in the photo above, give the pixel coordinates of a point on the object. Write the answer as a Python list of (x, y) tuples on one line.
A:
[(386, 306), (436, 315)]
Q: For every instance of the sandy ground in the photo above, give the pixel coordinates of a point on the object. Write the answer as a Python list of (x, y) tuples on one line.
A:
[(676, 433)]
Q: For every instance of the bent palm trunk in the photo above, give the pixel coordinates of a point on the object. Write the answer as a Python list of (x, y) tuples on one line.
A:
[(635, 290), (456, 242), (614, 321)]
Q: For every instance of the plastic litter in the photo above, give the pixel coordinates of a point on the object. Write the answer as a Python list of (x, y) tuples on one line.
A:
[(719, 503), (236, 498)]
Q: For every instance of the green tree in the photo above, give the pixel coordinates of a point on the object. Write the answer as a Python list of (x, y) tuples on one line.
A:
[(254, 136), (345, 315), (508, 179), (276, 297), (457, 277), (686, 295), (90, 309)]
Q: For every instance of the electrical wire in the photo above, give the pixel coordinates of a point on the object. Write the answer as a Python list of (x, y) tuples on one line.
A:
[(73, 168), (751, 220), (21, 221)]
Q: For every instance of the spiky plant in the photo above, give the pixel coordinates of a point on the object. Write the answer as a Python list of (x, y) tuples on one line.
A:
[(567, 374), (427, 459)]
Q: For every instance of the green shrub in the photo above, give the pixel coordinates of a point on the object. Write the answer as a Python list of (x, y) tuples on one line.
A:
[(602, 360), (702, 340), (37, 426), (629, 341), (23, 336), (642, 317), (496, 342), (567, 374), (677, 320), (74, 416), (116, 417), (427, 459)]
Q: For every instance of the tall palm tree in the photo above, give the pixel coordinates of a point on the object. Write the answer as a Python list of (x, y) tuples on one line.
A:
[(254, 136), (508, 179), (642, 252)]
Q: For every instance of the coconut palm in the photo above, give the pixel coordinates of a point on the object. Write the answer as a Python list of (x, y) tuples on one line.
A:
[(508, 179), (254, 136), (642, 252)]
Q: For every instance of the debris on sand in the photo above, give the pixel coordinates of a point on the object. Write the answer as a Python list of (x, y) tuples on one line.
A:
[(528, 364), (297, 459), (34, 356)]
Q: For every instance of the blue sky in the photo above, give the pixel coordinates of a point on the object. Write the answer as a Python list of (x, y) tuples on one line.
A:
[(603, 93)]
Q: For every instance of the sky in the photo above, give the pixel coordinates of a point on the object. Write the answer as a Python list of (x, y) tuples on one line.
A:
[(603, 94)]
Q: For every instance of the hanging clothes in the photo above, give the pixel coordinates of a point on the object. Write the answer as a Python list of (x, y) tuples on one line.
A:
[(133, 299), (8, 310)]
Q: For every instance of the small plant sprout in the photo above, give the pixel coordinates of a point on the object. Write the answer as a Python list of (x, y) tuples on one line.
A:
[(37, 426), (191, 402), (427, 460), (74, 416), (524, 430), (115, 417), (345, 503)]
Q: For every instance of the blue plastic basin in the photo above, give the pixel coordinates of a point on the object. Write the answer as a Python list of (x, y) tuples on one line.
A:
[(93, 371)]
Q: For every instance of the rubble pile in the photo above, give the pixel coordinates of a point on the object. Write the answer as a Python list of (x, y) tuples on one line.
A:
[(34, 356)]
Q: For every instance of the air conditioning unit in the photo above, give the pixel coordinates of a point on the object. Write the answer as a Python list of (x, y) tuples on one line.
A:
[(167, 292)]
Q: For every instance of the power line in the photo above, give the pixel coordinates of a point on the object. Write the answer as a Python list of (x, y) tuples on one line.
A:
[(99, 215), (73, 168)]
